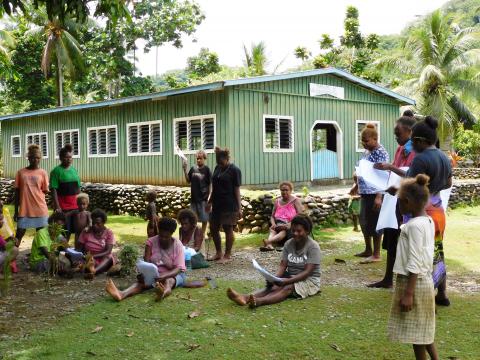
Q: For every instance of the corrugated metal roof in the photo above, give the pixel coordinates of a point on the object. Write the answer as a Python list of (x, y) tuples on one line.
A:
[(219, 85)]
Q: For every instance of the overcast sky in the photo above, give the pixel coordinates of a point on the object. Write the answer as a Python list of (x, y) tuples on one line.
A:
[(282, 25)]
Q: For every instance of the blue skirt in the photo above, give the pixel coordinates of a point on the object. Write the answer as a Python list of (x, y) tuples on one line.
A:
[(32, 222)]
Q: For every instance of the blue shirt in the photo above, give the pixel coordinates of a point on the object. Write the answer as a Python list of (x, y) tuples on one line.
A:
[(379, 155)]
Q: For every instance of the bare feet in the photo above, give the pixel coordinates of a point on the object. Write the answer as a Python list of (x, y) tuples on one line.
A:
[(90, 264), (160, 291), (112, 290), (365, 254), (236, 297), (371, 259), (356, 229), (217, 257), (381, 285), (252, 303), (225, 260)]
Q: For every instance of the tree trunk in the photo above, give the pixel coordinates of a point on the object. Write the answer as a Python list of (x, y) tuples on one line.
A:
[(59, 83)]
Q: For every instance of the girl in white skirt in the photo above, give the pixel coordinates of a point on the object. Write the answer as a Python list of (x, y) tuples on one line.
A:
[(412, 316)]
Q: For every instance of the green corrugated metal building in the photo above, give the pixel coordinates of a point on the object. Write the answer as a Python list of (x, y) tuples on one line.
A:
[(300, 127)]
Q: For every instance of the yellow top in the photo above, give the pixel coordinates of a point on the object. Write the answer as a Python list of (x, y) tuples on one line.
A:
[(8, 228)]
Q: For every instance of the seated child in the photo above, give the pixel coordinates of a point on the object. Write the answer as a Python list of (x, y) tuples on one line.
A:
[(41, 251), (7, 232), (151, 213), (97, 243), (412, 314), (6, 256), (354, 210), (189, 233), (299, 269), (82, 219), (167, 255)]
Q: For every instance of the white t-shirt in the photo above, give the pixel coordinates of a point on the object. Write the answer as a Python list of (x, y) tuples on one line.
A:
[(415, 247)]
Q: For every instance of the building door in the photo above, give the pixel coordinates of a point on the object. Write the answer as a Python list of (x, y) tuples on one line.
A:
[(326, 145)]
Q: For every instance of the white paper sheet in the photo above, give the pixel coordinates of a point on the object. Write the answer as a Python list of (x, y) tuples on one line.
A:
[(149, 272), (373, 177), (387, 219), (445, 196), (268, 276), (180, 153)]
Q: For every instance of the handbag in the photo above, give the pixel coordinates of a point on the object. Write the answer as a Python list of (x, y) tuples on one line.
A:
[(439, 273), (199, 262)]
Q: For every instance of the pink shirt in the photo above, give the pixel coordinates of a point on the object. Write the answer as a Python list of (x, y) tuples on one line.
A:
[(285, 212), (166, 259), (400, 160), (95, 244)]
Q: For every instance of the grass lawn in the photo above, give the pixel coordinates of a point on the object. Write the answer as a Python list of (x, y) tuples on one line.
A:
[(352, 320)]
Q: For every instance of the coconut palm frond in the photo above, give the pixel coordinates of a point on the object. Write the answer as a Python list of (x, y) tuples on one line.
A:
[(396, 62), (74, 52), (431, 77), (463, 112), (63, 56), (48, 53), (248, 58)]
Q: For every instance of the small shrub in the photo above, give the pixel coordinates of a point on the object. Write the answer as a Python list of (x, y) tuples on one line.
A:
[(467, 144), (128, 258)]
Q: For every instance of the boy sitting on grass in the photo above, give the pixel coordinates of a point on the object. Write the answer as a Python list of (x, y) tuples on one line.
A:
[(41, 252), (166, 253), (299, 269)]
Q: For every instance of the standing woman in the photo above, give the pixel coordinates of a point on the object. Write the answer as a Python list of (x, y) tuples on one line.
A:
[(65, 186), (436, 165), (371, 198), (200, 179), (31, 185), (224, 203)]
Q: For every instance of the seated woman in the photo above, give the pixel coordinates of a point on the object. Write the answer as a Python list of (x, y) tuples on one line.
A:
[(42, 252), (299, 269), (189, 233), (97, 241), (284, 209), (166, 253)]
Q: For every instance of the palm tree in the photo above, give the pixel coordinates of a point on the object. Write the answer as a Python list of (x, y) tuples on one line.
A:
[(302, 53), (437, 64), (256, 59), (62, 49), (7, 43)]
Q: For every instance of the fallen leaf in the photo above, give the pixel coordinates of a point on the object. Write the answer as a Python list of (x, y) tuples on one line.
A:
[(335, 347), (194, 314), (97, 329), (191, 347), (91, 353), (130, 334), (340, 261)]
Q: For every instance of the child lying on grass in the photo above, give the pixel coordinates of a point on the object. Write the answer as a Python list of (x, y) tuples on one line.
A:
[(167, 254), (299, 269)]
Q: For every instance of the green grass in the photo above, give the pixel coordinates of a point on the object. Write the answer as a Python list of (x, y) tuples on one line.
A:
[(353, 320)]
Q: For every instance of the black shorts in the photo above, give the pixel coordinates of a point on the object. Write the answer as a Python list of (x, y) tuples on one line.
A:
[(368, 216), (390, 236)]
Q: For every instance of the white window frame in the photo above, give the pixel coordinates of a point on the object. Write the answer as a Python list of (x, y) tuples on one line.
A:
[(359, 148), (278, 117), (89, 155), (62, 132), (19, 137), (189, 118), (153, 122), (39, 134)]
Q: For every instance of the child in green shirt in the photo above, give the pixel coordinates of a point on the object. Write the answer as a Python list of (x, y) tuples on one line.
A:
[(41, 251)]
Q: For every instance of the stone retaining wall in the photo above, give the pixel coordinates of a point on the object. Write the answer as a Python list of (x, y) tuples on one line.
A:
[(466, 173), (130, 199)]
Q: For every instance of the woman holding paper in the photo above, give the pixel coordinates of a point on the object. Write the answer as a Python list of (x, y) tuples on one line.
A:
[(298, 273), (371, 198), (403, 158)]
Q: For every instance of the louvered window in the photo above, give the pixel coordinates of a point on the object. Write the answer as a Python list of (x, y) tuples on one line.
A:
[(102, 141), (39, 139), (65, 137), (196, 133), (278, 133), (144, 138), (16, 146)]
